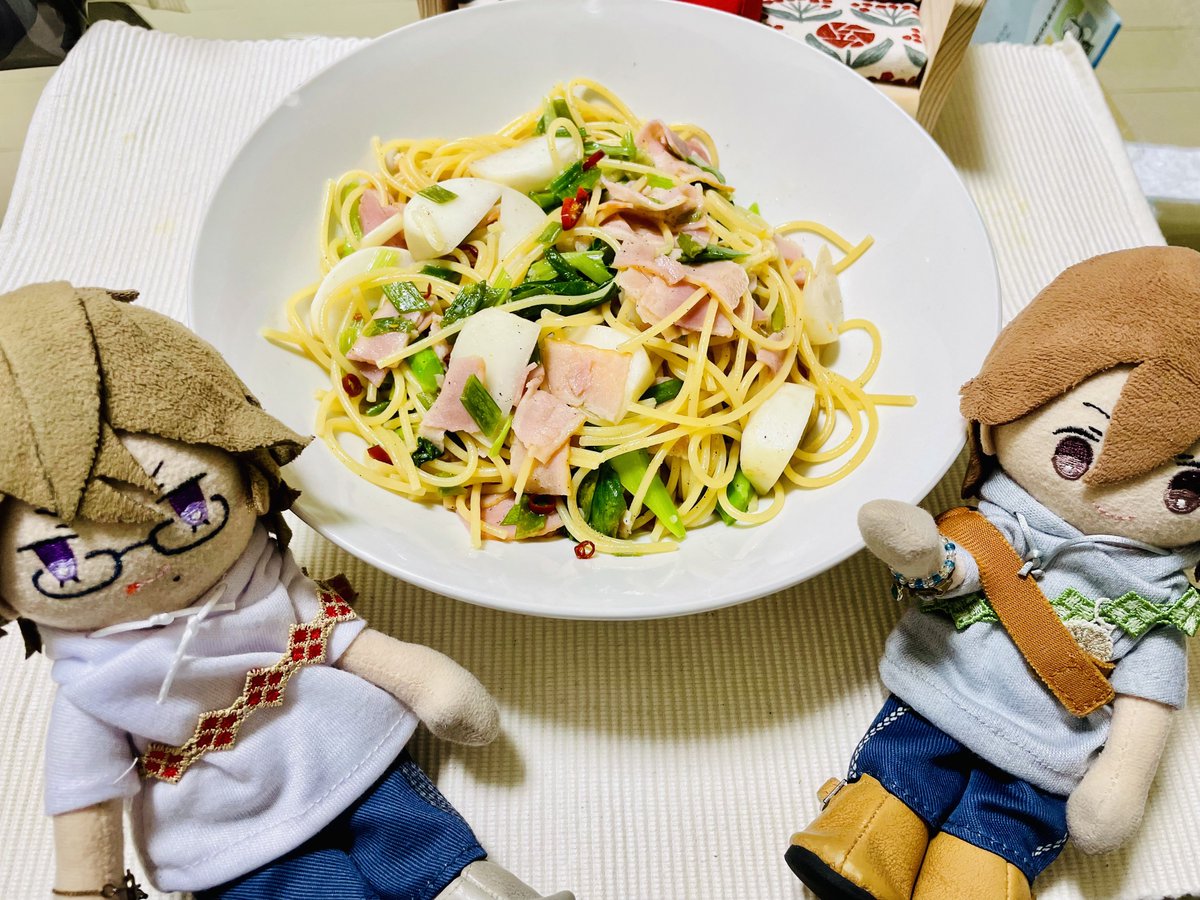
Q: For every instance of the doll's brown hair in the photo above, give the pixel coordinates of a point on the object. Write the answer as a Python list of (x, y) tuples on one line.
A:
[(78, 365), (1136, 307)]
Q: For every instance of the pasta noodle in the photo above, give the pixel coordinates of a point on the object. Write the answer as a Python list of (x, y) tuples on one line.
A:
[(651, 218)]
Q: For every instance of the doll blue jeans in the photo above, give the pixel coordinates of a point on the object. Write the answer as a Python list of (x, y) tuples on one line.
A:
[(957, 792), (401, 840)]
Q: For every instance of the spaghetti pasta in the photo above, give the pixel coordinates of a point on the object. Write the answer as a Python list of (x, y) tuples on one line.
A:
[(664, 321)]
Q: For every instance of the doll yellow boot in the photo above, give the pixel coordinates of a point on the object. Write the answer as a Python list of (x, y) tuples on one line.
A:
[(865, 845), (955, 868)]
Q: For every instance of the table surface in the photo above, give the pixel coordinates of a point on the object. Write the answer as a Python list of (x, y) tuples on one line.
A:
[(671, 758)]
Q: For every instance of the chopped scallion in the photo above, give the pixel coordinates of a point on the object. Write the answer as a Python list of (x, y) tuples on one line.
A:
[(663, 392), (427, 369), (738, 494), (589, 264), (695, 252), (445, 274), (551, 233), (540, 271), (405, 297), (438, 194), (527, 522), (348, 336), (631, 467), (660, 181), (388, 325), (482, 408), (608, 502), (376, 408), (426, 451)]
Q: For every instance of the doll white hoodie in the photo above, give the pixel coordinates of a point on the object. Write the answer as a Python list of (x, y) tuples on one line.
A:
[(292, 769)]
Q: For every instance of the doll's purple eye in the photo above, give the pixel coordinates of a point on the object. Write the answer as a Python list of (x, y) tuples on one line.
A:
[(1183, 493), (1072, 458)]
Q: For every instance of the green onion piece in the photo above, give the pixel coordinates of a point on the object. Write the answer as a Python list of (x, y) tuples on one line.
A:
[(554, 109), (348, 336), (589, 264), (551, 234), (470, 300), (445, 274), (545, 200), (355, 221), (608, 502), (500, 288), (426, 451), (376, 408), (570, 180), (405, 297), (704, 167), (663, 392), (540, 271), (345, 248), (426, 369), (694, 252), (527, 521), (738, 494), (438, 194), (660, 181), (384, 259), (631, 467), (451, 491), (482, 408), (388, 325), (587, 490), (498, 443), (626, 150), (777, 318), (754, 208)]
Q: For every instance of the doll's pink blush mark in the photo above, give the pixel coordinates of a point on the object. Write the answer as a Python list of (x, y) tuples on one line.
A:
[(188, 502)]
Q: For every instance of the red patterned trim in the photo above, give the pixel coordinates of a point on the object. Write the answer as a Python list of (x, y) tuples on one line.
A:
[(217, 729)]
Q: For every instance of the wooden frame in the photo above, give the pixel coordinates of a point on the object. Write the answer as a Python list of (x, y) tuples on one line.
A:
[(946, 27)]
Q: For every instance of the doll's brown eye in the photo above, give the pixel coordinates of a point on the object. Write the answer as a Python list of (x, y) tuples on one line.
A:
[(1072, 457), (1183, 492)]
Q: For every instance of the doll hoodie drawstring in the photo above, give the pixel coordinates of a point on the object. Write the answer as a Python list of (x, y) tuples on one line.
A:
[(197, 613), (1037, 562)]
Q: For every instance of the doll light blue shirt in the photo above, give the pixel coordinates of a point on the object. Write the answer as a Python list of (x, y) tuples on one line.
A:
[(974, 684)]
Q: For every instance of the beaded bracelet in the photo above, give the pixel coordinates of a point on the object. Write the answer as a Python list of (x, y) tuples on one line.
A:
[(929, 585)]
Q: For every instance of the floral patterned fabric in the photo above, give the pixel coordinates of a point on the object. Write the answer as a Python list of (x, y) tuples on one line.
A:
[(881, 41)]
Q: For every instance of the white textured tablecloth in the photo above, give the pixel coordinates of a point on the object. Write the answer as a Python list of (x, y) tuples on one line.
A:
[(667, 759)]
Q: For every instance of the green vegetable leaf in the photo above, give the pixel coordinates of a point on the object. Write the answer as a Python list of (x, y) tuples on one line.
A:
[(631, 467), (590, 264), (426, 368), (663, 392), (388, 325), (626, 150), (550, 235), (738, 493), (568, 182), (482, 408), (693, 252), (426, 451), (554, 109), (608, 502), (438, 194), (660, 181), (348, 336), (527, 521), (470, 300), (587, 490), (405, 297), (376, 408), (445, 274)]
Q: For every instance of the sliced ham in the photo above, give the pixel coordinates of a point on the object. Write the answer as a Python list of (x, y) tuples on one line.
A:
[(790, 252), (670, 204), (372, 213), (581, 375), (659, 285), (772, 359), (668, 153), (378, 347), (495, 514), (623, 229), (550, 477), (447, 412), (544, 423), (373, 374)]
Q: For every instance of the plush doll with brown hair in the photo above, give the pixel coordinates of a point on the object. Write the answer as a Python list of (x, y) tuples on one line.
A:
[(252, 723), (1032, 683)]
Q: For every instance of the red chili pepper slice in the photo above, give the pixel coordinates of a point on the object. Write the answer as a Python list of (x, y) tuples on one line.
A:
[(542, 506), (592, 161), (351, 385), (379, 454), (585, 550), (571, 211)]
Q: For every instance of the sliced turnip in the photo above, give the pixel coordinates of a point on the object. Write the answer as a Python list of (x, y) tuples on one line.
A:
[(353, 266), (504, 342), (823, 313), (520, 217), (528, 166), (434, 229), (641, 371), (773, 433)]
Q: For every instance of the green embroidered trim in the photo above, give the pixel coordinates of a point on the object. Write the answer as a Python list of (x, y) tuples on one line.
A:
[(1132, 613)]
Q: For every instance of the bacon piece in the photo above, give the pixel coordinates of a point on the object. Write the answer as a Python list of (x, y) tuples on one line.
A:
[(447, 412), (378, 347), (668, 204), (372, 213), (581, 375), (550, 477), (772, 359), (544, 423), (668, 152)]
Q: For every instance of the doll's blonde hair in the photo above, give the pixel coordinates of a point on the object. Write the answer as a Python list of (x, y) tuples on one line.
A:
[(79, 365), (1136, 307)]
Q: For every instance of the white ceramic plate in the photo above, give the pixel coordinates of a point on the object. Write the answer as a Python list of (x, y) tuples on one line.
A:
[(800, 134)]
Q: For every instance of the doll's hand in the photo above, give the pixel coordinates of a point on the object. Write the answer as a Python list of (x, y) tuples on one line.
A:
[(445, 696), (904, 536), (1106, 809)]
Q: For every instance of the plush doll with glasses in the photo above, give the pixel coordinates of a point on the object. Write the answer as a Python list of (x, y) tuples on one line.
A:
[(248, 718)]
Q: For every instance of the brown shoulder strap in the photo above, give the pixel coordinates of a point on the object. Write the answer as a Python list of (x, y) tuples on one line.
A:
[(1071, 674)]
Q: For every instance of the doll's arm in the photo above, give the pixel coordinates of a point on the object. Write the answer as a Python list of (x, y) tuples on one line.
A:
[(1106, 808), (444, 695), (906, 538), (89, 847)]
